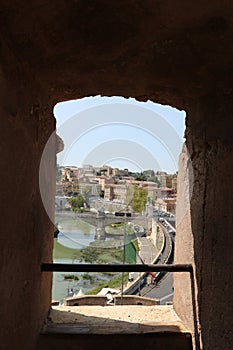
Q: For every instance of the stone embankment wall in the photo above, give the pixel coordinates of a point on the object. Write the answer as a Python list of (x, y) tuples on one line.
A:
[(157, 235)]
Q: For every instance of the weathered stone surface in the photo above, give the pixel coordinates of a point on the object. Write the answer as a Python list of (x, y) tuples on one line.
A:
[(169, 51), (178, 53), (94, 315)]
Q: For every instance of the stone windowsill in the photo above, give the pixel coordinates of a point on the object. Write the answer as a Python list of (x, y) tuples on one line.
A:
[(113, 320)]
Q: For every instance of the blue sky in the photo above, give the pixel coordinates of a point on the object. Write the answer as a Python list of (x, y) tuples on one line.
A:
[(120, 132)]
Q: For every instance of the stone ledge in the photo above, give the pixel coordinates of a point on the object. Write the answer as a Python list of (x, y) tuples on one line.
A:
[(113, 320)]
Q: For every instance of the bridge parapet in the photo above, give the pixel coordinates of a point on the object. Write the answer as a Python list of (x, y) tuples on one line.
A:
[(104, 220)]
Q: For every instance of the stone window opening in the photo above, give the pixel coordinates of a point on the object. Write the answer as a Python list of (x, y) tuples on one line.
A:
[(77, 121)]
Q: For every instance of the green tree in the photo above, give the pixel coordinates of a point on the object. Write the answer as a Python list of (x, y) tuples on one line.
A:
[(139, 199), (76, 202), (141, 177)]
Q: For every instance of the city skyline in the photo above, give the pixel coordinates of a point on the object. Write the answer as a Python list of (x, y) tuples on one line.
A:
[(107, 165)]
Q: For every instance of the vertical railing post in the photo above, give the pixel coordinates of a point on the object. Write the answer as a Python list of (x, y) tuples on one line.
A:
[(123, 275)]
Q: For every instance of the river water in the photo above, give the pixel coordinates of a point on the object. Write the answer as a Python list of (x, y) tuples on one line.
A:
[(74, 235)]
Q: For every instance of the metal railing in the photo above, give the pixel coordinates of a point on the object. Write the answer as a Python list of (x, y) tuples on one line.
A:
[(56, 267)]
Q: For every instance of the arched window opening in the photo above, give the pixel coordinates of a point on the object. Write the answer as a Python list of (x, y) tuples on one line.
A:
[(116, 156)]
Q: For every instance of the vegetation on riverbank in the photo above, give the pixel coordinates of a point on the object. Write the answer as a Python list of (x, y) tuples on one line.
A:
[(70, 277), (61, 252), (98, 252), (113, 283), (118, 229), (100, 255)]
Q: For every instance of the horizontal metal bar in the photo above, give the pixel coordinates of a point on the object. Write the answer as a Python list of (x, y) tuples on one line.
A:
[(116, 268)]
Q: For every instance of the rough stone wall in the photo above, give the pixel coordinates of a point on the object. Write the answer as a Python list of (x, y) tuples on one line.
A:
[(184, 250), (210, 147), (179, 53), (26, 232), (207, 225), (159, 50)]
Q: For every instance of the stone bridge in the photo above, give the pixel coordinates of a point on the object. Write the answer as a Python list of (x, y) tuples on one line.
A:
[(101, 220)]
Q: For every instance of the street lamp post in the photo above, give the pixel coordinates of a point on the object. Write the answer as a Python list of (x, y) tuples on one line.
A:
[(139, 286), (122, 283)]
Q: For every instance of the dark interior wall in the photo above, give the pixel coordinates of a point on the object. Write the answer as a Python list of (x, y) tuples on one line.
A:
[(176, 53), (162, 50), (26, 232)]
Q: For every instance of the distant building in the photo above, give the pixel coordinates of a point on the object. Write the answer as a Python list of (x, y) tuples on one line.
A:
[(105, 170), (171, 205), (163, 192), (115, 192), (104, 181), (92, 183), (174, 184)]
